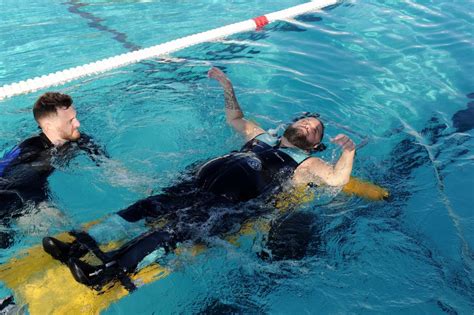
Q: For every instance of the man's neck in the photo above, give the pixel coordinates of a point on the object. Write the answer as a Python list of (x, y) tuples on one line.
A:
[(55, 140), (285, 143)]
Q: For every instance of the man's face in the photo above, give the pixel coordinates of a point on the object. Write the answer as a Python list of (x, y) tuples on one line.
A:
[(311, 128), (66, 124)]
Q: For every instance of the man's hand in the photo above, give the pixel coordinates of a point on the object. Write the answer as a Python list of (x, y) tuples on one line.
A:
[(217, 74), (344, 141)]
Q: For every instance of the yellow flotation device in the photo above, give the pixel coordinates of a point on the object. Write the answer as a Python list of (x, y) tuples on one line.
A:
[(46, 286), (302, 194), (296, 196), (365, 189)]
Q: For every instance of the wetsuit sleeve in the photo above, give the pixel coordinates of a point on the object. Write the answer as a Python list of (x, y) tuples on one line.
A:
[(27, 152), (87, 144), (25, 170), (8, 158)]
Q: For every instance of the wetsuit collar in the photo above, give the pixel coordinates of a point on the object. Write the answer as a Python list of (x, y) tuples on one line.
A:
[(45, 140), (295, 148)]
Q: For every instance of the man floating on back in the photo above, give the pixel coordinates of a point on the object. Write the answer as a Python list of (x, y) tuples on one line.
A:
[(260, 169)]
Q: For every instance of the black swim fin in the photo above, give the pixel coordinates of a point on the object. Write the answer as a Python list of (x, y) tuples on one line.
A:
[(85, 273), (57, 249), (119, 263), (62, 251)]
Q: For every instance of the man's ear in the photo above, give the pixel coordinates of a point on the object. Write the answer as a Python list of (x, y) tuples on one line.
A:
[(45, 124), (319, 147)]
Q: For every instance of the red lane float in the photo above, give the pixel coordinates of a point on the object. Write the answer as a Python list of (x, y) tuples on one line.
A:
[(260, 21)]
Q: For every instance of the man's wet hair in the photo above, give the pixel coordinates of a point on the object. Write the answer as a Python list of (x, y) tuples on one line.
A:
[(48, 104)]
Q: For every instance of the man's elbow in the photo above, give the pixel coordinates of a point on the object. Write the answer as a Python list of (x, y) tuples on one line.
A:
[(234, 122), (230, 120), (337, 181)]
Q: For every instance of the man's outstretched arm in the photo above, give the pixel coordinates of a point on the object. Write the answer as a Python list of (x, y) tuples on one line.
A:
[(95, 151), (234, 115)]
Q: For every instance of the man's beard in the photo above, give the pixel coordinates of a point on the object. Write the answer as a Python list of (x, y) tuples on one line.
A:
[(75, 135), (297, 138)]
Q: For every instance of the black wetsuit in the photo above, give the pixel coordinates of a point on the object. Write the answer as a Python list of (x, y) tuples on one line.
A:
[(256, 170), (25, 169), (215, 189)]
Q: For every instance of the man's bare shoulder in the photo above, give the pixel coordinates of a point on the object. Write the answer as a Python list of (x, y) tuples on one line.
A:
[(310, 171), (315, 165), (247, 128)]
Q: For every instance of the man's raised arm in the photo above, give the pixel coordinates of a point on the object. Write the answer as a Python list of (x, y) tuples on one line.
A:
[(315, 170), (234, 115)]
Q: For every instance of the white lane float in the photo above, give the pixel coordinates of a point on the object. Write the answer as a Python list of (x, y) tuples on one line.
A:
[(100, 66)]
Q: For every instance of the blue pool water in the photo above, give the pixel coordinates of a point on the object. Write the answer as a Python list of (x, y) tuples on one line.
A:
[(389, 73)]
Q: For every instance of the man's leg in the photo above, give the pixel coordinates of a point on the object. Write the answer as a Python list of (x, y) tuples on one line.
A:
[(179, 196), (290, 236), (151, 207), (123, 227)]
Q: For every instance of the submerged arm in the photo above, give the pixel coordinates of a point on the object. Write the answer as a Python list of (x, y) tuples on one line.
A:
[(87, 144), (234, 114)]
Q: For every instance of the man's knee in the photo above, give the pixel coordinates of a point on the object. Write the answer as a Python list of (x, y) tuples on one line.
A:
[(145, 208)]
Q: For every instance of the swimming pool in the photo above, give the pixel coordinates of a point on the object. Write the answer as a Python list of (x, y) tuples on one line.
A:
[(392, 73)]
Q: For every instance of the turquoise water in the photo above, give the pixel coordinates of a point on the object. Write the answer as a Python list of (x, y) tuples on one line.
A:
[(391, 73)]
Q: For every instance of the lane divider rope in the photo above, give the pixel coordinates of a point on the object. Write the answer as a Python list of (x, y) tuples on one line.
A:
[(64, 76)]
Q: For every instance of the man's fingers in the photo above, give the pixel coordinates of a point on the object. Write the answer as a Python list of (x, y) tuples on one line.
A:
[(344, 141), (212, 73), (338, 137), (216, 73), (348, 146)]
